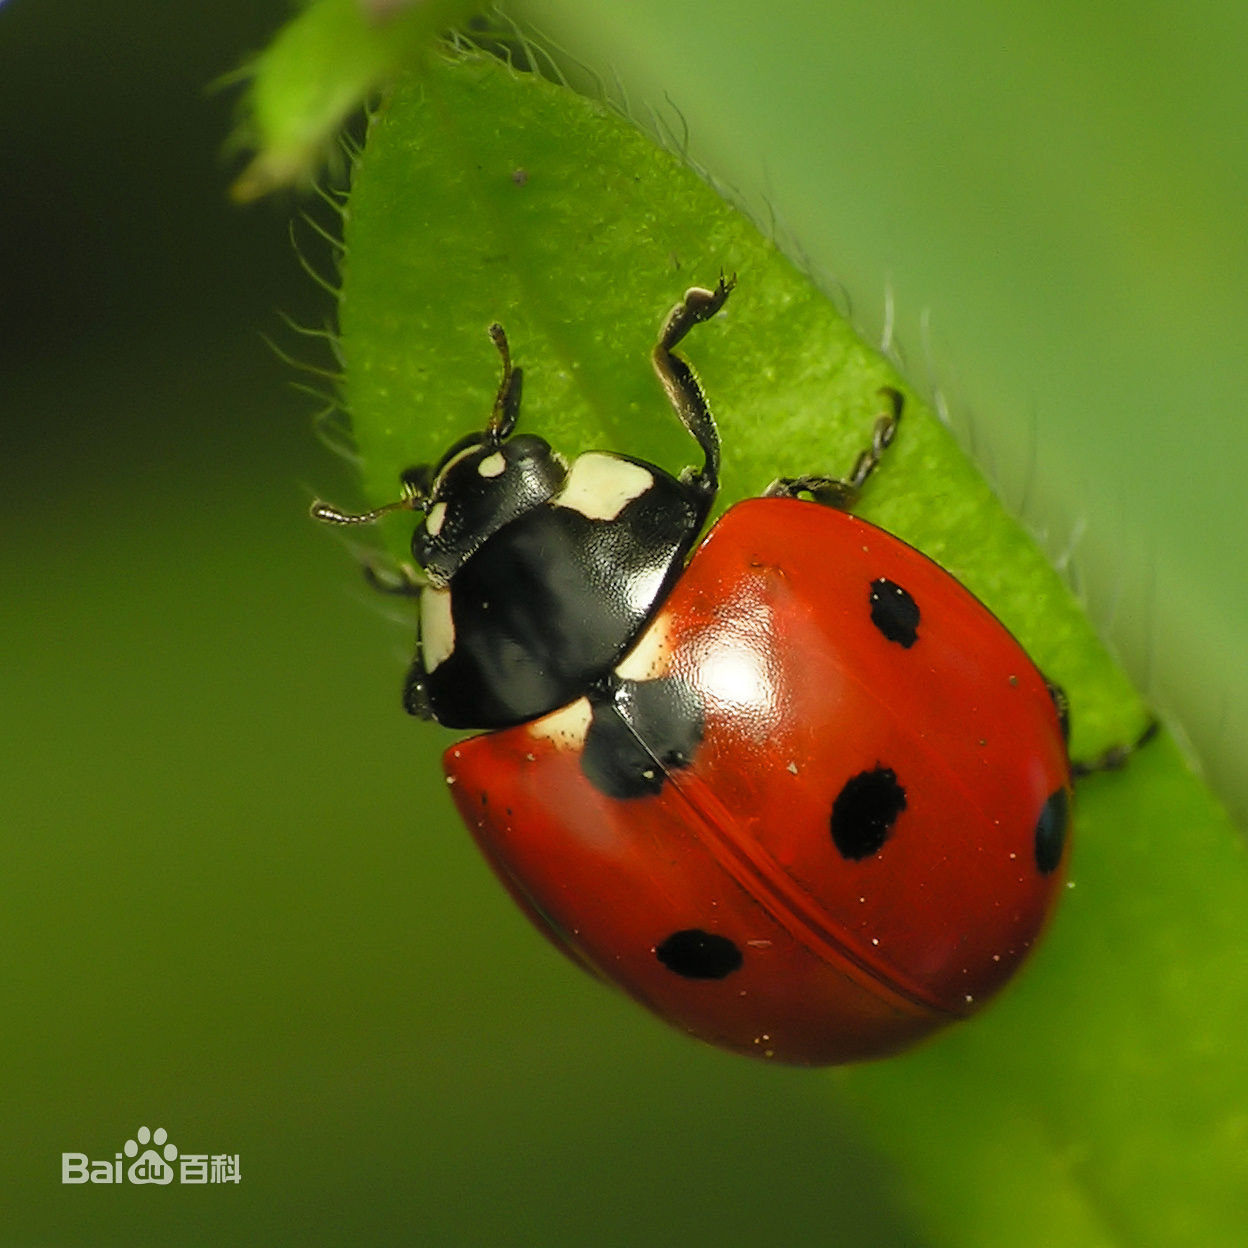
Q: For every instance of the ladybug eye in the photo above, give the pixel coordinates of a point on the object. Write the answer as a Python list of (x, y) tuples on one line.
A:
[(894, 612), (864, 812), (416, 481), (696, 954)]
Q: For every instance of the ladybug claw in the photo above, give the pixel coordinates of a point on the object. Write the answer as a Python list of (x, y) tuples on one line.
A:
[(1117, 756)]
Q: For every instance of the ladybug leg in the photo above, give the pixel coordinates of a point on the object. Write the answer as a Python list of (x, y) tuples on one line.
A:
[(1115, 758), (1062, 704), (843, 492), (403, 580), (416, 699), (678, 380)]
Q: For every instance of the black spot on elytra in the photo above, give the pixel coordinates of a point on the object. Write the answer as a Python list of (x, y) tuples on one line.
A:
[(640, 730), (696, 954), (1051, 831), (894, 612), (864, 812)]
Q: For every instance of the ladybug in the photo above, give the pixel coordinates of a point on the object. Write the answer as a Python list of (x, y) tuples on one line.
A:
[(798, 791)]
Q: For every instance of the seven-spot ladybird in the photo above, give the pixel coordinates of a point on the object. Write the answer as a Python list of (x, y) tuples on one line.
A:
[(800, 792)]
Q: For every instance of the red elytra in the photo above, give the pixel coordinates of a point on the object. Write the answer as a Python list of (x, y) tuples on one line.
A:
[(799, 952)]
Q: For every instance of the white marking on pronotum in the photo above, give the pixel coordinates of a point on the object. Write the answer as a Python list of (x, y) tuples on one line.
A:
[(566, 727), (492, 465), (437, 628), (600, 486), (434, 518)]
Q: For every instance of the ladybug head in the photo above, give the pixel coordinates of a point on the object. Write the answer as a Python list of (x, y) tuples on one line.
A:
[(482, 483)]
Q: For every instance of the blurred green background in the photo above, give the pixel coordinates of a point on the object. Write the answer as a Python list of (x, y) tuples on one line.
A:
[(236, 903)]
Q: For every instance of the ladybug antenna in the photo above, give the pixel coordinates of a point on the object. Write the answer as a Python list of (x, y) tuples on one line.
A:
[(507, 401), (327, 513), (413, 499)]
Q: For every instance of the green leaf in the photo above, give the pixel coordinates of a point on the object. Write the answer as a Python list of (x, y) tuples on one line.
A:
[(321, 67), (1102, 1100)]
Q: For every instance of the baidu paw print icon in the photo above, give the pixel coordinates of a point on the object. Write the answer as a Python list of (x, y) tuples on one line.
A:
[(150, 1166)]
